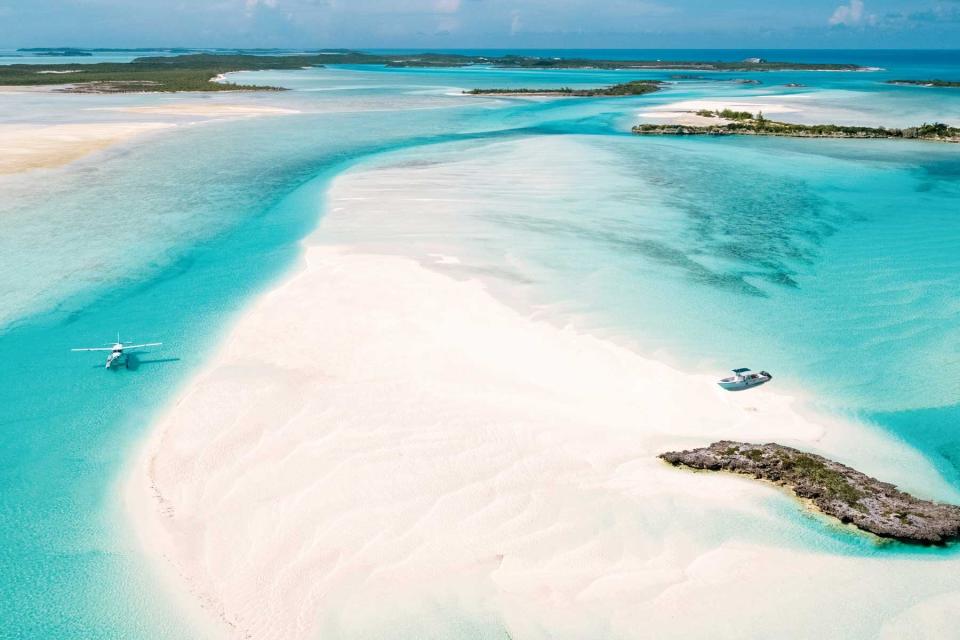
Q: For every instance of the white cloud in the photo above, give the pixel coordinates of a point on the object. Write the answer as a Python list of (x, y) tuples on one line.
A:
[(253, 4), (446, 6), (515, 23), (851, 15)]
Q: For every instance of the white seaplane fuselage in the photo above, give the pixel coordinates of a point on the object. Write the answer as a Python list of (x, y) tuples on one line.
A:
[(117, 357)]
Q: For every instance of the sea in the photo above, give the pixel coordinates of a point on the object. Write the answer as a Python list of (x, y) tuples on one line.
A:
[(833, 264)]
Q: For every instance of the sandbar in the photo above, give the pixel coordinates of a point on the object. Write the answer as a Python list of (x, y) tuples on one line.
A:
[(26, 147), (381, 450)]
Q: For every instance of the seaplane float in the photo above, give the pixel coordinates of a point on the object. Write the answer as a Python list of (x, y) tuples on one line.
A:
[(744, 379), (119, 351)]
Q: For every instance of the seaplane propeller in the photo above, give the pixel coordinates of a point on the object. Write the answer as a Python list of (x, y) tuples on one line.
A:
[(119, 351)]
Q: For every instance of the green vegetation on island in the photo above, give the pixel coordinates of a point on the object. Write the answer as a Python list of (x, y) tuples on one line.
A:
[(926, 83), (727, 114), (538, 62), (59, 52), (211, 50), (746, 124), (196, 71), (632, 88)]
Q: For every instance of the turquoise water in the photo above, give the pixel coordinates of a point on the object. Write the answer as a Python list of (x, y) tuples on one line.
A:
[(833, 262)]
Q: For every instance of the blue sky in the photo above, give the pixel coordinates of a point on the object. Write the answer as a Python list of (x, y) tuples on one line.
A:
[(434, 24)]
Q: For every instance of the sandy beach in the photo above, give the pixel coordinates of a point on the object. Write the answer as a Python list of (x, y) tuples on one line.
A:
[(803, 108), (41, 146), (214, 110), (26, 147), (379, 450)]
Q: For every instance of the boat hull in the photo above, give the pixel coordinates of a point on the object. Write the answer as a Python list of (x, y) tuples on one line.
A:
[(744, 383)]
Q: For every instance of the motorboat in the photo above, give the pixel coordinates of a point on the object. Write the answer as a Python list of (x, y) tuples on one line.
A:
[(744, 379)]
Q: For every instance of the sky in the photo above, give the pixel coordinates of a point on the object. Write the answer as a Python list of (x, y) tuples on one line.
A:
[(451, 24)]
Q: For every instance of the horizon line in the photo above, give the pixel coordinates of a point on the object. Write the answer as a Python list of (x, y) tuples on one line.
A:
[(474, 48)]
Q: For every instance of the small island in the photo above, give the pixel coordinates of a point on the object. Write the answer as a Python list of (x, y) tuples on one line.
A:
[(632, 88), (744, 123), (926, 83), (65, 52), (835, 489)]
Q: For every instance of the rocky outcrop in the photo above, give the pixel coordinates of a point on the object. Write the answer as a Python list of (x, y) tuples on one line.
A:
[(836, 489)]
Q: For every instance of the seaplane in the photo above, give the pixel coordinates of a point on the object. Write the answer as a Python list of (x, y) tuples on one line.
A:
[(119, 351), (744, 379)]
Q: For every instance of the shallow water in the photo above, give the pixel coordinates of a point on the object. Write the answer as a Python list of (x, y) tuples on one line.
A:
[(831, 263)]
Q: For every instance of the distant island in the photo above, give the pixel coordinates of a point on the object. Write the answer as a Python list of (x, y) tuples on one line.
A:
[(193, 72), (744, 123), (91, 50), (632, 88), (214, 50), (538, 62), (835, 489), (64, 52), (926, 83), (198, 71)]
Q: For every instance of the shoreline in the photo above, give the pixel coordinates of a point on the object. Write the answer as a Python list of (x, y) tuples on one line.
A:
[(766, 119), (620, 90), (205, 71), (31, 146), (347, 415), (28, 147), (722, 130), (156, 552)]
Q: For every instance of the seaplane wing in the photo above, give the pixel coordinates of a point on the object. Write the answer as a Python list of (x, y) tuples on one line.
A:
[(145, 344), (94, 349)]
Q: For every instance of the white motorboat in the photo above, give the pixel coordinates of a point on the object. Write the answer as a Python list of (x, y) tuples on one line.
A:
[(744, 379)]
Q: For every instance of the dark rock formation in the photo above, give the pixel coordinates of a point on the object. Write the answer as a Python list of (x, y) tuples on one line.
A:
[(837, 490)]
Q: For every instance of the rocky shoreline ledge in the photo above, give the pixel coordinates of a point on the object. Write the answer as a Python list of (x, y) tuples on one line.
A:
[(835, 489)]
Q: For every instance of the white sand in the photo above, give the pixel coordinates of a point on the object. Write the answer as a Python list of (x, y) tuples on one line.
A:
[(212, 110), (797, 107), (25, 147), (13, 89), (381, 451), (34, 146)]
